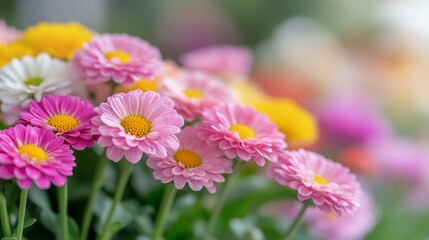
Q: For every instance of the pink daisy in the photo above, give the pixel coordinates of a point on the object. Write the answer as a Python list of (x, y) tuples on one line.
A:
[(330, 186), (30, 154), (194, 163), (8, 34), (136, 122), (67, 116), (219, 59), (243, 132), (119, 57), (195, 91)]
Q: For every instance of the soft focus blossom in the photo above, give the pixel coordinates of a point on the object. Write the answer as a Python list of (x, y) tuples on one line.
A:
[(221, 59), (193, 92), (193, 163), (8, 34), (59, 40), (330, 186), (137, 122), (30, 154), (242, 132), (13, 50), (118, 57), (67, 116), (31, 78)]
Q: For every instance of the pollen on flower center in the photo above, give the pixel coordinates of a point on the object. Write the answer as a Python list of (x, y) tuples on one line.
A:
[(331, 215), (320, 180), (193, 93), (136, 125), (121, 55), (33, 81), (63, 122), (243, 131), (34, 152), (145, 85), (189, 159)]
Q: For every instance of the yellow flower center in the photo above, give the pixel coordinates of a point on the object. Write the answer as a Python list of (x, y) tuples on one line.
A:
[(34, 152), (63, 122), (189, 159), (331, 215), (33, 81), (136, 125), (243, 131), (145, 85), (121, 55), (193, 93), (320, 180)]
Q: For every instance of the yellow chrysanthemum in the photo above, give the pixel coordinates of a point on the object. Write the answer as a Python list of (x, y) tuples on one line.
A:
[(13, 50), (299, 126), (60, 40)]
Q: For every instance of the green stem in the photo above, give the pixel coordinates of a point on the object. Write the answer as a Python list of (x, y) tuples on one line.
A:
[(294, 226), (220, 200), (21, 216), (63, 198), (4, 216), (123, 180), (97, 184), (164, 210)]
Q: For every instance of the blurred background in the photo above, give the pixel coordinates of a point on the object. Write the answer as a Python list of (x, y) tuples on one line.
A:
[(360, 67)]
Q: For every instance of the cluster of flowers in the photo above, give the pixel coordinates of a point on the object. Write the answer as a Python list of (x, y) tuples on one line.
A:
[(189, 121)]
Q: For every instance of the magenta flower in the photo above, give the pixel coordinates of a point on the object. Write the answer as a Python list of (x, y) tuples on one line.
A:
[(222, 59), (243, 132), (30, 154), (330, 186), (137, 122), (8, 34), (119, 57), (193, 163), (66, 116), (195, 91)]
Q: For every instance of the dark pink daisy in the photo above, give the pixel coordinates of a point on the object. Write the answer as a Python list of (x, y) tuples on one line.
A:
[(241, 131), (67, 116), (30, 154)]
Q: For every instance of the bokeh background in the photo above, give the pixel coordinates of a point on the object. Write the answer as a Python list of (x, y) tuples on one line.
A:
[(360, 67)]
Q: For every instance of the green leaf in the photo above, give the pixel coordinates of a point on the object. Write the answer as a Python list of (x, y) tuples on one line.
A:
[(73, 229), (28, 222), (8, 238), (50, 221), (113, 228), (40, 198)]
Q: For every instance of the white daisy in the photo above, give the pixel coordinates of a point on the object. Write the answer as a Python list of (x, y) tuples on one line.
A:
[(30, 78)]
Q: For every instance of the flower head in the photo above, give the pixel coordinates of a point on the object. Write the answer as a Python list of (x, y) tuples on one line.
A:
[(195, 91), (59, 40), (193, 163), (30, 154), (119, 57), (8, 34), (137, 122), (221, 59), (330, 186), (13, 50), (67, 116), (243, 132), (30, 78)]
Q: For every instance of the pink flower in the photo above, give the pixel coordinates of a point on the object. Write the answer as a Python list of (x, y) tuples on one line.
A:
[(119, 57), (8, 34), (66, 116), (195, 91), (136, 122), (222, 59), (30, 154), (243, 132), (330, 186), (194, 163)]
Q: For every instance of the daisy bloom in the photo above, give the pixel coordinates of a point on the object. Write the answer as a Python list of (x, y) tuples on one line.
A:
[(59, 40), (241, 131), (119, 57), (8, 34), (137, 122), (195, 91), (222, 59), (67, 116), (13, 50), (30, 154), (193, 163), (30, 78), (330, 186)]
